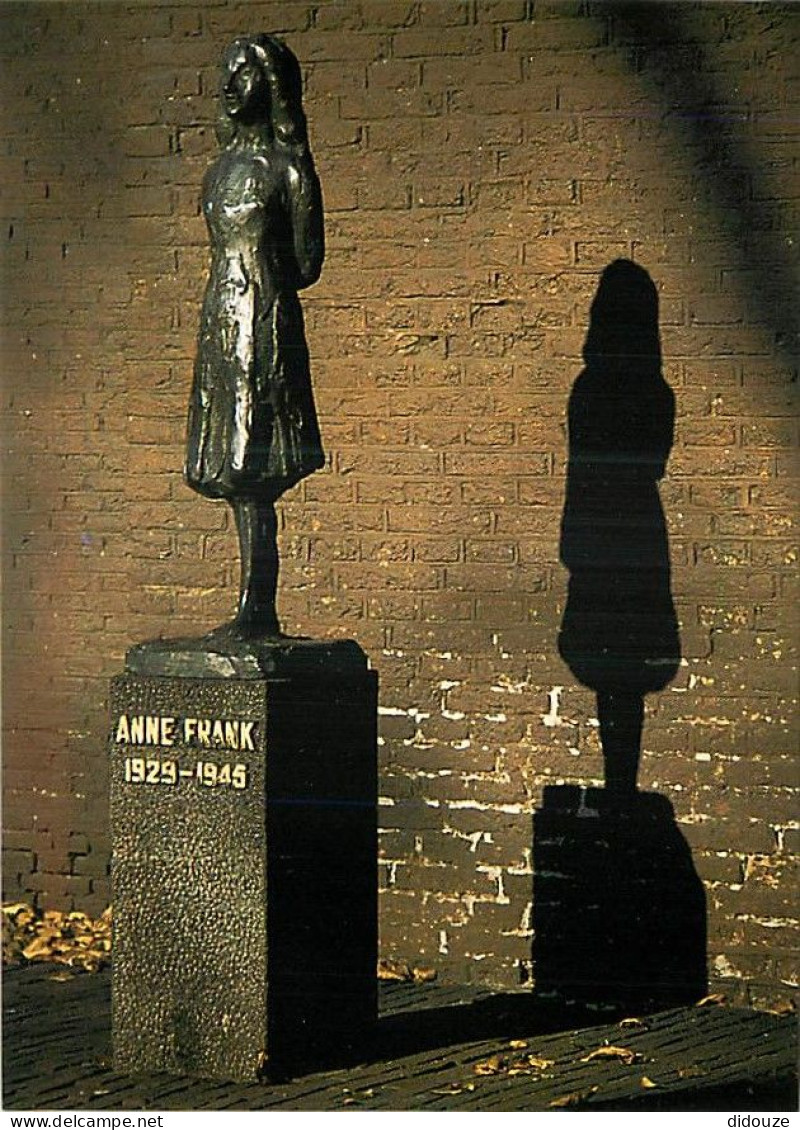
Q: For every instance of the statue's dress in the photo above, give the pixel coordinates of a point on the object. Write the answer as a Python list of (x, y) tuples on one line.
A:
[(252, 429)]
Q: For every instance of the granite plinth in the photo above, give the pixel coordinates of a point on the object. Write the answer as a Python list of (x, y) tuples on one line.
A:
[(244, 865)]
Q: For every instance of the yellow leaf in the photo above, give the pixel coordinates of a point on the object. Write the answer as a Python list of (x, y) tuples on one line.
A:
[(608, 1051), (633, 1022), (648, 1083), (690, 1072), (713, 998), (518, 1043), (783, 1008), (574, 1098), (540, 1064), (494, 1065), (36, 948), (12, 909), (529, 1064), (394, 970)]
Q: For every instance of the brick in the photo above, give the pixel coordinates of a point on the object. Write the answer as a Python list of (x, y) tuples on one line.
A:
[(442, 550), (388, 13), (770, 434), (540, 95), (432, 13), (501, 11), (419, 42), (389, 102)]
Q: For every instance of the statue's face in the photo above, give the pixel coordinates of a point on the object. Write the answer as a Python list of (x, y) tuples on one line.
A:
[(243, 84)]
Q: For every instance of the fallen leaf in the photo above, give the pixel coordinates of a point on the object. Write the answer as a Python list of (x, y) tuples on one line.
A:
[(394, 970), (501, 1065), (647, 1083), (608, 1051), (352, 1097), (783, 1008), (713, 998), (11, 909), (454, 1089), (530, 1064), (518, 1043), (70, 938), (690, 1072), (539, 1063), (633, 1022), (574, 1098), (38, 948), (389, 970), (494, 1065)]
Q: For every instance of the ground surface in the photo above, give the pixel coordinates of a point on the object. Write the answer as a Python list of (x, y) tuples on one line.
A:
[(437, 1047)]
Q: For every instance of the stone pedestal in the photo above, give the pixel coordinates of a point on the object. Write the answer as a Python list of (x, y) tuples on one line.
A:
[(243, 817)]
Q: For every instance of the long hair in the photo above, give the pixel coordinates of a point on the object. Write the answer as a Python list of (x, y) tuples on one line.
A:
[(283, 110)]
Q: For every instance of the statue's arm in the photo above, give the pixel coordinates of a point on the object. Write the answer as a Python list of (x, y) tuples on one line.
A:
[(305, 212)]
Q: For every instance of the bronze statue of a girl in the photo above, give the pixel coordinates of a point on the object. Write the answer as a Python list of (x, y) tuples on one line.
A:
[(252, 428)]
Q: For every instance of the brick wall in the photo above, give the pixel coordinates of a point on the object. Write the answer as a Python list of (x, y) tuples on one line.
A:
[(482, 161)]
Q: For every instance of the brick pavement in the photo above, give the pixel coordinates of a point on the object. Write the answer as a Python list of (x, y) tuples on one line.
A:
[(437, 1047)]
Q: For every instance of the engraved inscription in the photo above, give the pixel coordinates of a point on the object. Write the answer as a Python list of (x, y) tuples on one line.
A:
[(210, 774), (204, 733)]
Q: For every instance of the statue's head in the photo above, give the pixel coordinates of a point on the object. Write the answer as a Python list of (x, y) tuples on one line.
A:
[(244, 90), (261, 84)]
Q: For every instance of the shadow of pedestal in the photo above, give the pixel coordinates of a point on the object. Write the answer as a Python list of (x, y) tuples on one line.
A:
[(619, 913)]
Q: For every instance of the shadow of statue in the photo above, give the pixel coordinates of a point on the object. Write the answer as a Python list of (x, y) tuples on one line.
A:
[(619, 632), (619, 912)]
